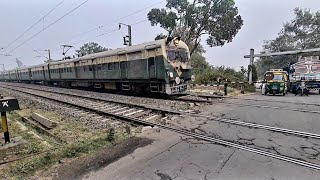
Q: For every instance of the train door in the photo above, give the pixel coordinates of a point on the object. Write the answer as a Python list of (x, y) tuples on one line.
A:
[(49, 73), (30, 74), (123, 69), (18, 75), (44, 73), (152, 67)]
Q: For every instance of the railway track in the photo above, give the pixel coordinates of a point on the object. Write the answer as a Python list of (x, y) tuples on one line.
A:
[(208, 97), (124, 115), (251, 99), (163, 112), (100, 107), (272, 107)]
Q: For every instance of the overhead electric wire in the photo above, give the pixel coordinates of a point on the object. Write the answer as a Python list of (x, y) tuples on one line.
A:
[(34, 24), (103, 34), (49, 25), (123, 17)]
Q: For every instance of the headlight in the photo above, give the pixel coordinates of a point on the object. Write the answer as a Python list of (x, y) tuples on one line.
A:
[(193, 78), (178, 80), (171, 74)]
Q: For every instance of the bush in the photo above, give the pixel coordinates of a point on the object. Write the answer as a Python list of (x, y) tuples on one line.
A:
[(249, 88), (210, 75)]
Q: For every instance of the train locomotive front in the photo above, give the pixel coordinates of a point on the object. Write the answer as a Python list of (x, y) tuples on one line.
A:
[(177, 66)]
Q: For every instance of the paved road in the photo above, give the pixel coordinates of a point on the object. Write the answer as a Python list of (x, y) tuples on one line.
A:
[(177, 157)]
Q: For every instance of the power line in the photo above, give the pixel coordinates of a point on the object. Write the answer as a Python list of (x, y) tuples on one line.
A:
[(115, 21), (49, 26), (35, 23), (103, 34)]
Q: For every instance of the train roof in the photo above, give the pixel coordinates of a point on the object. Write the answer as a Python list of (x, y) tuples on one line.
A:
[(124, 50), (118, 51)]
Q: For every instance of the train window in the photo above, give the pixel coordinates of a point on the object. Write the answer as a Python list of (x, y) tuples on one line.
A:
[(110, 66), (90, 68), (171, 55), (105, 66), (70, 69), (151, 61), (123, 65), (84, 68), (99, 67), (116, 65)]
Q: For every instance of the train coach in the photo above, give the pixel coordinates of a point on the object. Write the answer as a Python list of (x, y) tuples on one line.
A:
[(161, 66)]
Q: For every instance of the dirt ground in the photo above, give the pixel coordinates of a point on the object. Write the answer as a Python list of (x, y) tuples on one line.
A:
[(77, 167)]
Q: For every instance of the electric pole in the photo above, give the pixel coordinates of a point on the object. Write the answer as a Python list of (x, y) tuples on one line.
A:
[(47, 50), (127, 40), (3, 68)]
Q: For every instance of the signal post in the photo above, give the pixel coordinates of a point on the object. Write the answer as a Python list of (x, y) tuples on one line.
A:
[(7, 104)]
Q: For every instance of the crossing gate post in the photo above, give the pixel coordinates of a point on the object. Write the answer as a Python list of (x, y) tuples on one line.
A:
[(7, 104), (251, 64)]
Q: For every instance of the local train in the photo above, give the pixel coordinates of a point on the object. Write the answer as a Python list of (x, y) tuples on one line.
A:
[(161, 66)]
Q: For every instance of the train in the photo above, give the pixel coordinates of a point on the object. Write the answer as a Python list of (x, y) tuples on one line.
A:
[(161, 66)]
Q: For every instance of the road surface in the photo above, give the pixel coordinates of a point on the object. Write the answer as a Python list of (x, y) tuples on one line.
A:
[(172, 156)]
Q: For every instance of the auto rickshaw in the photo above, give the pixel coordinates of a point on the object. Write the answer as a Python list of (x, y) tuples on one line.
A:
[(276, 82)]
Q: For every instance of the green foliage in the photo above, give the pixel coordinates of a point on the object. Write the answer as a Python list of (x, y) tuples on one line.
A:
[(249, 88), (27, 167), (302, 32), (90, 48), (218, 20), (160, 36), (210, 75), (198, 62)]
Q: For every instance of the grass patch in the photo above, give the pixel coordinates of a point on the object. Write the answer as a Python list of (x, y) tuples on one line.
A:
[(26, 168)]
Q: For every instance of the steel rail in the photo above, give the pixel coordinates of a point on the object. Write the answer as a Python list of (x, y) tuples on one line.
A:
[(272, 107), (224, 120), (251, 99), (188, 133), (261, 126), (104, 100), (170, 98)]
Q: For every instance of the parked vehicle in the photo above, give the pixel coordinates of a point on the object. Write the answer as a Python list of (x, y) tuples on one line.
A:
[(275, 82), (307, 69)]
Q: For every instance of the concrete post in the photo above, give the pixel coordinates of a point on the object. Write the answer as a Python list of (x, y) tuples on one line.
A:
[(5, 127), (251, 63), (226, 88)]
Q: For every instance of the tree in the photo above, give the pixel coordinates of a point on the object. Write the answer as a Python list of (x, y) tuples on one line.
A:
[(90, 48), (160, 36), (198, 61), (217, 19), (303, 32)]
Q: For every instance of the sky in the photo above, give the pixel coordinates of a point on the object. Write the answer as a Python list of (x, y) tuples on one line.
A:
[(262, 21)]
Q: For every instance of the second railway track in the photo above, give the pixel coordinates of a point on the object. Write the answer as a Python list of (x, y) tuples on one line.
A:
[(146, 121)]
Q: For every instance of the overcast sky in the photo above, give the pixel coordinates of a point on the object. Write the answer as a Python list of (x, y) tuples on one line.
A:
[(263, 19)]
